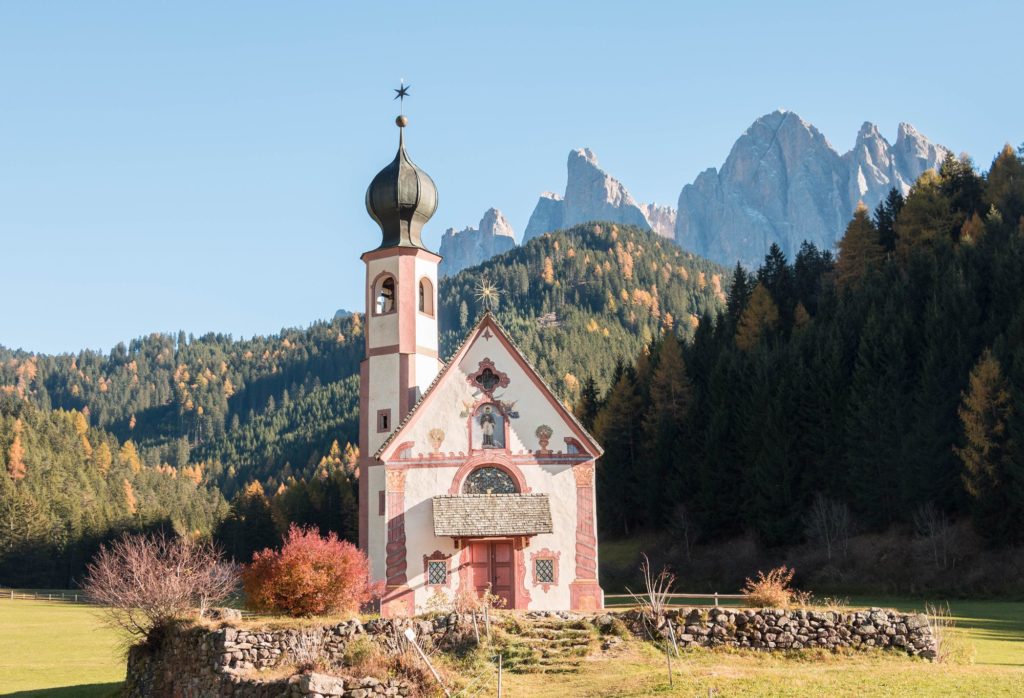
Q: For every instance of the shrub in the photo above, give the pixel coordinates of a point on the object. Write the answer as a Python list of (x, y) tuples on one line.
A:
[(773, 590), (310, 575), (144, 582)]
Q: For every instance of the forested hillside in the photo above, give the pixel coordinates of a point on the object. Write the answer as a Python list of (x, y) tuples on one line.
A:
[(882, 389), (269, 423), (579, 300)]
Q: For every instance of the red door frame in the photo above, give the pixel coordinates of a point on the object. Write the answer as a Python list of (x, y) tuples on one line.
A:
[(497, 568)]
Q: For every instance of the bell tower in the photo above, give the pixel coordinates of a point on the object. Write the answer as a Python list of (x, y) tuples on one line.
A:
[(401, 355)]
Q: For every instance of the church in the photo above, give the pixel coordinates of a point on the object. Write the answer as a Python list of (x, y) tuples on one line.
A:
[(473, 476)]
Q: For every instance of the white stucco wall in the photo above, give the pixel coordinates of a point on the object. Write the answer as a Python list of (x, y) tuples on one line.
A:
[(446, 409)]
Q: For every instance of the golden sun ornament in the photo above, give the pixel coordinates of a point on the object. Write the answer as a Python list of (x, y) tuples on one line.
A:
[(487, 294)]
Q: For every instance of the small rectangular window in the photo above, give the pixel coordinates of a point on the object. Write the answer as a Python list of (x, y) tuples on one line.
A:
[(383, 421), (380, 503), (437, 572), (545, 571)]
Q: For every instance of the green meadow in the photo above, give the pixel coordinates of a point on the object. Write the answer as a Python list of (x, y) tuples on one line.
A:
[(62, 650)]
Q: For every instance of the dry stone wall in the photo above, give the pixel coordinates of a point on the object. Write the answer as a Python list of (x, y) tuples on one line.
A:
[(777, 629), (225, 662), (204, 662)]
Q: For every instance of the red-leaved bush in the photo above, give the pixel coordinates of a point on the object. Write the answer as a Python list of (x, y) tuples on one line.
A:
[(310, 575)]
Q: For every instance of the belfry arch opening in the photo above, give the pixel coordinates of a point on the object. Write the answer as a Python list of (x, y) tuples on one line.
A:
[(426, 302), (384, 296)]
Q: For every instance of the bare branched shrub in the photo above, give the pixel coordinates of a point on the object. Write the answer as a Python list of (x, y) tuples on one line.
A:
[(936, 530), (950, 645), (827, 524), (657, 590), (145, 582), (772, 589)]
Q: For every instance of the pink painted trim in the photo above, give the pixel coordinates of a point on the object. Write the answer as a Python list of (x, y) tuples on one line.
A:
[(431, 460), (437, 556), (364, 456), (485, 364), (406, 445), (393, 349), (396, 551), (418, 252), (545, 554), (383, 428), (494, 458), (371, 307), (433, 297), (520, 594), (506, 425), (586, 534), (586, 595), (485, 325)]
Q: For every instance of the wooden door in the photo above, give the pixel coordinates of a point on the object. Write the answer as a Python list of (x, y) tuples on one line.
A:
[(492, 566)]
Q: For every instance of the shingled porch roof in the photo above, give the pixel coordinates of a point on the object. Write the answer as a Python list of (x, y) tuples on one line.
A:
[(484, 515)]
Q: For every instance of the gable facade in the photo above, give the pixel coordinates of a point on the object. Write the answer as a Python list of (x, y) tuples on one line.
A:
[(473, 476)]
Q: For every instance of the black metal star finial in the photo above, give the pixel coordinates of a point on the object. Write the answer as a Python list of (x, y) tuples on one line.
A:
[(401, 93)]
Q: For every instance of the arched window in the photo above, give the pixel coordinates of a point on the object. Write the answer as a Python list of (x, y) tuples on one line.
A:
[(489, 480), (385, 296), (426, 297)]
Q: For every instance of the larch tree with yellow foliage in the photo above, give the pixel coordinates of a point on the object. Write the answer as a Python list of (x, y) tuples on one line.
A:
[(859, 250), (759, 317)]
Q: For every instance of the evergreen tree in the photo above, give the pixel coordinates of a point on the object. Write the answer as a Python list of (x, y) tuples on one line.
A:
[(988, 453), (619, 427), (667, 407), (1005, 186), (759, 318), (926, 218), (859, 249), (739, 293), (885, 219)]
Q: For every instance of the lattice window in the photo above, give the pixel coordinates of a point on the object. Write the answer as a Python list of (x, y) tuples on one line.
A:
[(437, 572), (545, 570), (489, 480)]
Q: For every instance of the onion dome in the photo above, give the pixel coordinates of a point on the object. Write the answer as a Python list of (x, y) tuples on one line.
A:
[(401, 198)]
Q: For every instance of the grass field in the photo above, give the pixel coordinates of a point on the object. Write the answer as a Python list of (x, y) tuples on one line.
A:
[(61, 651), (53, 645)]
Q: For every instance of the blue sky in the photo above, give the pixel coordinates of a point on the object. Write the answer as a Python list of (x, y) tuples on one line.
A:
[(201, 165)]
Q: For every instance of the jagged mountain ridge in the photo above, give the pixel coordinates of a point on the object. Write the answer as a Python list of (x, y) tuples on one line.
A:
[(784, 182), (470, 246), (591, 194)]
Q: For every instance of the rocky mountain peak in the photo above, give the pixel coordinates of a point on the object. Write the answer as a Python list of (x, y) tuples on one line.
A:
[(591, 194), (470, 246), (495, 223), (784, 182)]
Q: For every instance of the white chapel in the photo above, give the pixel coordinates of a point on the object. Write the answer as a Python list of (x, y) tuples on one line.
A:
[(473, 476)]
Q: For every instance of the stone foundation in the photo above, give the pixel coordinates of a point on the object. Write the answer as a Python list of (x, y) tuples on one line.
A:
[(776, 629), (203, 662)]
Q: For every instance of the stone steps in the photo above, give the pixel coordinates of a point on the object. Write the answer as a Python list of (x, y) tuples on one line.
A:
[(550, 646)]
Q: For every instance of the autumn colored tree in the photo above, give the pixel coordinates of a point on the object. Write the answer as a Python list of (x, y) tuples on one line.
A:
[(103, 458), (1005, 184), (925, 217), (859, 250), (761, 316), (988, 453), (16, 454), (548, 273), (310, 575), (130, 456)]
